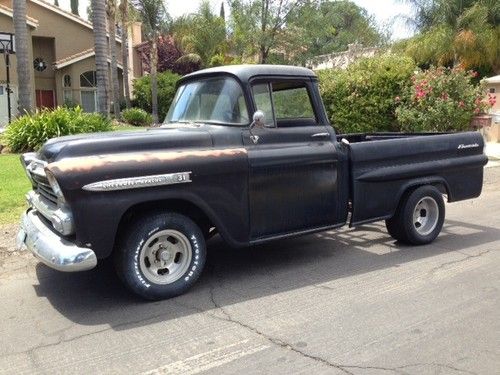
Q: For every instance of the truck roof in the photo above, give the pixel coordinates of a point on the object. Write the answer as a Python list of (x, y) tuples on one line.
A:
[(246, 72)]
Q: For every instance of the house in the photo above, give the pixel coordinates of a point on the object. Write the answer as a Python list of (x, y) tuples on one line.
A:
[(62, 52)]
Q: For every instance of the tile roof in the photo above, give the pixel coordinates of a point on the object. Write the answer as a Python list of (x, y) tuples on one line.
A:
[(61, 63)]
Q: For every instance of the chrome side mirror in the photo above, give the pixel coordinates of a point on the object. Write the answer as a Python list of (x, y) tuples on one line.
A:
[(259, 119)]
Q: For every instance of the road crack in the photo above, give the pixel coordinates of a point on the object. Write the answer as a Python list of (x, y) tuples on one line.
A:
[(465, 259)]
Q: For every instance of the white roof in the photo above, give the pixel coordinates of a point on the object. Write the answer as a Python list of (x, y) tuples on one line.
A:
[(494, 79)]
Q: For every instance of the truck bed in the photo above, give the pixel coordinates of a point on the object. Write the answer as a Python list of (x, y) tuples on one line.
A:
[(381, 171)]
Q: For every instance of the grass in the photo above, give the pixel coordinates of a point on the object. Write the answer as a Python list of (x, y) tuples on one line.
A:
[(13, 186)]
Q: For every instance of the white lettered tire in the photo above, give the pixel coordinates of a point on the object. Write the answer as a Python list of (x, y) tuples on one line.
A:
[(161, 255)]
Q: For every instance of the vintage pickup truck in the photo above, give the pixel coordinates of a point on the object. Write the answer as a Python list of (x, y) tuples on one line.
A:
[(246, 152)]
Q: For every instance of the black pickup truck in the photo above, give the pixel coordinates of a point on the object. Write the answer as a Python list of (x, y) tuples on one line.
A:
[(246, 152)]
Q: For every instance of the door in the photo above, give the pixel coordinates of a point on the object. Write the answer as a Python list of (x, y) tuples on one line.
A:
[(45, 99), (293, 165), (4, 107)]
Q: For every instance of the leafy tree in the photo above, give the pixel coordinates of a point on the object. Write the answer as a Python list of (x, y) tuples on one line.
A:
[(101, 54), (256, 25), (168, 54), (455, 32), (319, 28), (22, 56), (154, 18)]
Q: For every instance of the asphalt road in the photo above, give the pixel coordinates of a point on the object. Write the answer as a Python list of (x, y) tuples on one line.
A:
[(347, 302)]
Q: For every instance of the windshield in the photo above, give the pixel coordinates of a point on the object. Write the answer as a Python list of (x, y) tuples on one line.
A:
[(213, 100)]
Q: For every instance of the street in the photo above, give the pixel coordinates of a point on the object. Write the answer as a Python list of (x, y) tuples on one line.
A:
[(341, 302)]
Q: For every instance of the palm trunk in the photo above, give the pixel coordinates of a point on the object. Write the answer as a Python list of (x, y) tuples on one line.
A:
[(154, 83), (100, 43), (22, 55), (124, 19), (115, 87)]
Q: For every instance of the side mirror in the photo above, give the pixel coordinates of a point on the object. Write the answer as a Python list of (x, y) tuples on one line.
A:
[(259, 119)]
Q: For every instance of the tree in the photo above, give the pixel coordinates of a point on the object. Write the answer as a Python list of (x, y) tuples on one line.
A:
[(124, 18), (222, 13), (115, 86), (22, 55), (101, 54), (56, 3), (74, 7), (154, 19), (455, 32), (258, 23), (168, 54), (192, 36), (319, 28)]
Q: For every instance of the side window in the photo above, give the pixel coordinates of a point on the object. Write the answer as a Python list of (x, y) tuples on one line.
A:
[(292, 105), (262, 98)]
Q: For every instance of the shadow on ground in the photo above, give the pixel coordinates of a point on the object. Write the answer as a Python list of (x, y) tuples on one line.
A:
[(237, 275)]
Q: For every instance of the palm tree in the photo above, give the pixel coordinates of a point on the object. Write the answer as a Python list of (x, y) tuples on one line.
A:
[(124, 17), (22, 55), (455, 32), (154, 19), (101, 54), (115, 87)]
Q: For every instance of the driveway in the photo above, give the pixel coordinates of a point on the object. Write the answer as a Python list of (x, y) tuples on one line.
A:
[(346, 302)]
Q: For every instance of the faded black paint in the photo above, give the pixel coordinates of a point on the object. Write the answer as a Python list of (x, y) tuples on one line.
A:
[(288, 184)]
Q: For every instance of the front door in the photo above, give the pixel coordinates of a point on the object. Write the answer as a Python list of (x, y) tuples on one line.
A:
[(45, 99), (293, 165)]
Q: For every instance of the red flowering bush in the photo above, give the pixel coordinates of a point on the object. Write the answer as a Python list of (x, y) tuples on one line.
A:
[(441, 99)]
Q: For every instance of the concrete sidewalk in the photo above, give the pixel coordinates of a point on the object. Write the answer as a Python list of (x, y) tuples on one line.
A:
[(492, 150)]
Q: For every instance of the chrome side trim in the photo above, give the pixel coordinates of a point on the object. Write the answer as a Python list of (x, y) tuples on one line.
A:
[(48, 247), (139, 182)]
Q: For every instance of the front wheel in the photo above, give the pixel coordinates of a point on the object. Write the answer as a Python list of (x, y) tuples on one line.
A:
[(161, 255), (419, 217)]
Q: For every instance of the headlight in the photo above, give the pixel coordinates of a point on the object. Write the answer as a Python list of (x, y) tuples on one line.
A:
[(55, 185)]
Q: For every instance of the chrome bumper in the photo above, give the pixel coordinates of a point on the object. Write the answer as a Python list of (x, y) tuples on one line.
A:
[(51, 249)]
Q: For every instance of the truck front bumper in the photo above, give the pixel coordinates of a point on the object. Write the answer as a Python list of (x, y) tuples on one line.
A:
[(53, 250)]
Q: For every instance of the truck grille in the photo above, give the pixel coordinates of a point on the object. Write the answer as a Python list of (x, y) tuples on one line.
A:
[(43, 188), (41, 185)]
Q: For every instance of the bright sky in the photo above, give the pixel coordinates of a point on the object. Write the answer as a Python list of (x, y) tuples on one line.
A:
[(384, 11)]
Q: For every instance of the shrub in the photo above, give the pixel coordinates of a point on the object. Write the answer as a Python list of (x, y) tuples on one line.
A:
[(166, 92), (137, 117), (30, 132), (361, 98), (188, 63), (441, 99)]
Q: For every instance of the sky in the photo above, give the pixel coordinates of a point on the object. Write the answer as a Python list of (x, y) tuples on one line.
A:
[(384, 11)]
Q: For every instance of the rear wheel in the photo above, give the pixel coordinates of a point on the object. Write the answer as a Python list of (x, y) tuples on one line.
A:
[(419, 217), (161, 255)]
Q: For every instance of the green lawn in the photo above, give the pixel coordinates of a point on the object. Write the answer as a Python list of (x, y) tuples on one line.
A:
[(13, 186)]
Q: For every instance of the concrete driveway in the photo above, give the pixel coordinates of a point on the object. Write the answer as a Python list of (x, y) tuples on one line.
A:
[(347, 302)]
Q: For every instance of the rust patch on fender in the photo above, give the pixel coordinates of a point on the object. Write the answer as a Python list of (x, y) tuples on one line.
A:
[(90, 163)]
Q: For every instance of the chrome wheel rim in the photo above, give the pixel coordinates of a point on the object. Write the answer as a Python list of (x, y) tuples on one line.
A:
[(425, 216), (165, 257)]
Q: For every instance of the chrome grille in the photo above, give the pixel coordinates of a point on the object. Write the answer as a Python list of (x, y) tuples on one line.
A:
[(40, 182)]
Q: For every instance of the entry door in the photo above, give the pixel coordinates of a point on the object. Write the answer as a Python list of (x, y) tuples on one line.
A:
[(293, 169), (45, 99)]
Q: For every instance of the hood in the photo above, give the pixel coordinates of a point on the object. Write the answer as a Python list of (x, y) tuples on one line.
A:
[(125, 141)]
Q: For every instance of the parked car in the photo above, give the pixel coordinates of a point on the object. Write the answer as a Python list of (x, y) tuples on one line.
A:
[(246, 152)]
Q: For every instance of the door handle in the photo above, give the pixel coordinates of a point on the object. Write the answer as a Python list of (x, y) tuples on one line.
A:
[(320, 135)]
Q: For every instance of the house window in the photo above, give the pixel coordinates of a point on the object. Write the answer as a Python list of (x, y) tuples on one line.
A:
[(88, 79), (492, 90), (68, 94), (88, 92)]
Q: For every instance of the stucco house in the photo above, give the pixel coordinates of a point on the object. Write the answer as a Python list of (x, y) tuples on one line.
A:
[(62, 52)]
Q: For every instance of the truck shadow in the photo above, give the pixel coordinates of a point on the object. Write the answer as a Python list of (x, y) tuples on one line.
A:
[(233, 276)]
